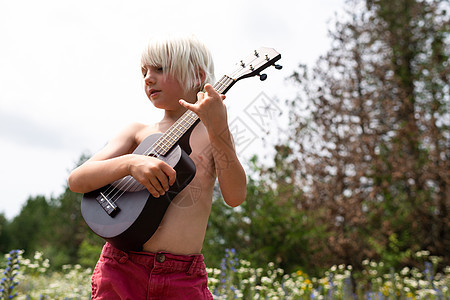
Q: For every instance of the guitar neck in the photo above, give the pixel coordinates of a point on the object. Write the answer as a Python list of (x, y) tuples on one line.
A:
[(171, 137)]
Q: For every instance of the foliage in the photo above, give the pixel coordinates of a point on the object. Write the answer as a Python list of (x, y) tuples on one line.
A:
[(368, 137), (5, 240), (9, 281), (265, 227), (30, 226), (35, 280), (238, 279)]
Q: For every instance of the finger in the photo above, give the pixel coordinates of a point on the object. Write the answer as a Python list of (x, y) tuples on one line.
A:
[(210, 90), (150, 188), (200, 97), (157, 186), (186, 104), (208, 87), (163, 181), (170, 173)]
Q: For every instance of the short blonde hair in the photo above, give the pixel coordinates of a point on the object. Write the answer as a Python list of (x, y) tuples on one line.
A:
[(182, 57)]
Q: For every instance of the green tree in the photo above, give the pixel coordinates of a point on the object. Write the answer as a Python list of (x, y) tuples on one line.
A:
[(369, 141), (71, 240), (68, 230), (30, 229), (5, 238), (267, 227)]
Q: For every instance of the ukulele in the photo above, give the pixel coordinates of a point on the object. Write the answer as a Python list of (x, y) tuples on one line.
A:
[(124, 213)]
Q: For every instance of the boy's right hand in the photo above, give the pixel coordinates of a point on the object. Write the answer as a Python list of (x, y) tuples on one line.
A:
[(156, 175)]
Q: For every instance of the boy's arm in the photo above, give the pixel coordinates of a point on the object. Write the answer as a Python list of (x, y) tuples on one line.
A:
[(115, 161), (231, 175)]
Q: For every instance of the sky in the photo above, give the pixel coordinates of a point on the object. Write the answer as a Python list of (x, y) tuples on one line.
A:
[(70, 75)]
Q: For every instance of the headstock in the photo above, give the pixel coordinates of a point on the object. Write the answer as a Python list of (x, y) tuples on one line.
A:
[(255, 63)]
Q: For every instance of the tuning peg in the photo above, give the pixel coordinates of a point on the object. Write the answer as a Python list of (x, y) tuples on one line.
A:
[(262, 77), (278, 67)]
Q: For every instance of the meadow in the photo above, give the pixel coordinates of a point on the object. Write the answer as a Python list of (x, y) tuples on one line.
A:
[(32, 278)]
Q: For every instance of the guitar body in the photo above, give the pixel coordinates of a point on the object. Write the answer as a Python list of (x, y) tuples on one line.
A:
[(138, 213)]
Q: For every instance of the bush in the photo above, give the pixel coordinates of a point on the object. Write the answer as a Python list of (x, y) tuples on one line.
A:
[(237, 279)]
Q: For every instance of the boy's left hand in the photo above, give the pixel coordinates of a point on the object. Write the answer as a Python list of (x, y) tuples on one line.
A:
[(210, 109)]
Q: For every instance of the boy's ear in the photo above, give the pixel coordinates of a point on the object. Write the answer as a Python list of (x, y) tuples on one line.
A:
[(201, 76)]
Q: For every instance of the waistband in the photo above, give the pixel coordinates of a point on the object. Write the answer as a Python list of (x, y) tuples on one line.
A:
[(162, 262)]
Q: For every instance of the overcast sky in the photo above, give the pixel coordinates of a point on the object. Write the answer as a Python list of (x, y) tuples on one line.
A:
[(70, 75)]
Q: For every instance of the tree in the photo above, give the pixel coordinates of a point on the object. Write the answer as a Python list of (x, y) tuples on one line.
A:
[(267, 227), (71, 241), (30, 230), (5, 238), (372, 155), (416, 33)]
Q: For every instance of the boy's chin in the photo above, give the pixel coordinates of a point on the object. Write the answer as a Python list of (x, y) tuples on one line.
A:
[(164, 105)]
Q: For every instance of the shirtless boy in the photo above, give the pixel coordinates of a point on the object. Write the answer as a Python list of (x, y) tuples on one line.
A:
[(176, 71)]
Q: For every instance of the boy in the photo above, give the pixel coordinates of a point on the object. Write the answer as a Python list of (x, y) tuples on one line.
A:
[(170, 266)]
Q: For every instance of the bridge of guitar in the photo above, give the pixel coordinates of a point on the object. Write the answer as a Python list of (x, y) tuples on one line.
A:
[(107, 204)]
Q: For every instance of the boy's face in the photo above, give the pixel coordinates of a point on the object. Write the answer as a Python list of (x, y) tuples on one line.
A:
[(161, 88)]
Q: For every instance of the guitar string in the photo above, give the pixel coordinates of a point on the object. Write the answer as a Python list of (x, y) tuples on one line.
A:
[(131, 184)]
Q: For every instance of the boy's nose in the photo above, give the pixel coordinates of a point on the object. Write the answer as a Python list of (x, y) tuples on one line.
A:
[(149, 79)]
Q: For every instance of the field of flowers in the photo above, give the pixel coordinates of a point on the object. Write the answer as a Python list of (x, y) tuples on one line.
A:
[(237, 279)]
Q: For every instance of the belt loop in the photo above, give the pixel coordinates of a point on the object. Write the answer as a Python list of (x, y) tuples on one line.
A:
[(191, 268)]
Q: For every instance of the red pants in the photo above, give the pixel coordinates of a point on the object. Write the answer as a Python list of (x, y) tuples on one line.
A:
[(149, 276)]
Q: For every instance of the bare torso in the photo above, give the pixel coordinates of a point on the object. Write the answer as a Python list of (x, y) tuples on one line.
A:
[(183, 227)]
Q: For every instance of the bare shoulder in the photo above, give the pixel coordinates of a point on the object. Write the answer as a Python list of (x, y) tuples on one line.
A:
[(122, 143), (129, 136)]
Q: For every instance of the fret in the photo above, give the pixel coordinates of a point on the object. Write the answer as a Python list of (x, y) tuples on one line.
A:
[(183, 120), (165, 148), (188, 119), (183, 126), (175, 133), (216, 86), (174, 137), (158, 151), (171, 137), (166, 142), (163, 143)]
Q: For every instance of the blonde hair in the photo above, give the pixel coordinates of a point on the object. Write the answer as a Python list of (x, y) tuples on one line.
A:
[(183, 57)]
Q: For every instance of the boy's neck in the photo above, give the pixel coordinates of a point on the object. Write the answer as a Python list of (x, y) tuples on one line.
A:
[(173, 115)]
